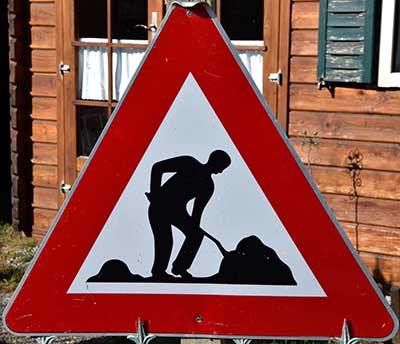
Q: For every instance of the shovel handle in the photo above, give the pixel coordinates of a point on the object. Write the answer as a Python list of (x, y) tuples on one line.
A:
[(216, 241)]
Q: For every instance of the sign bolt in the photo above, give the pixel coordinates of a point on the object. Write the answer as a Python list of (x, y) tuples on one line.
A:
[(199, 319)]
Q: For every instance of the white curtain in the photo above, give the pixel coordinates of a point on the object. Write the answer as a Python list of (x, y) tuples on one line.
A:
[(253, 61), (125, 63), (93, 75)]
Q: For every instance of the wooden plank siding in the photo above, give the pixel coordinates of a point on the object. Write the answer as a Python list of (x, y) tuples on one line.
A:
[(324, 126), (44, 114)]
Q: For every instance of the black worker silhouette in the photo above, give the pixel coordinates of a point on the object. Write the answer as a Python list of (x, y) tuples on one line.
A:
[(168, 206), (251, 262)]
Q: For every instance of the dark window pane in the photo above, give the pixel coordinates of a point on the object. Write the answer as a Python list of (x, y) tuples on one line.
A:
[(91, 18), (90, 123), (126, 14), (243, 20), (396, 39)]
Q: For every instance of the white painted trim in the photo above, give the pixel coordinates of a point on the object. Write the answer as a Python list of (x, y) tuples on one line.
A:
[(385, 76), (248, 43)]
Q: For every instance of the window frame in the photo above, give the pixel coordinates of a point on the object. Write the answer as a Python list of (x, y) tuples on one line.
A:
[(387, 78)]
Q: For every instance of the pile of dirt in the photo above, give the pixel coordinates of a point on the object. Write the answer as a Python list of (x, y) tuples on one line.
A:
[(252, 262)]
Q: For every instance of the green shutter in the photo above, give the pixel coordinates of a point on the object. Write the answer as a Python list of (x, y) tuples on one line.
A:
[(346, 41)]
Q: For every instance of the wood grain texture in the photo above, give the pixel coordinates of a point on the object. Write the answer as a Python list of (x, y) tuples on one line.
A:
[(308, 97), (44, 175), (379, 212), (375, 156), (43, 14), (305, 15), (80, 162), (44, 61), (380, 240), (44, 85), (384, 269), (346, 126), (303, 70), (342, 206), (384, 185), (44, 153), (43, 37), (44, 131), (46, 198), (43, 219), (304, 43), (350, 230), (44, 108)]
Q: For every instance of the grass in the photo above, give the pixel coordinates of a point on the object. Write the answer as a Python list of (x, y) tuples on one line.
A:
[(15, 254)]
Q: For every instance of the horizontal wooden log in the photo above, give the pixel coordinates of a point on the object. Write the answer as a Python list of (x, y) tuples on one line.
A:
[(44, 131), (19, 165), (18, 96), (46, 198), (379, 212), (384, 269), (43, 37), (44, 153), (19, 51), (20, 185), (308, 97), (350, 231), (304, 43), (18, 74), (343, 207), (303, 70), (44, 175), (380, 240), (18, 139), (346, 126), (44, 108), (305, 15), (19, 119), (375, 156), (374, 184), (44, 85), (43, 14), (44, 61), (43, 218)]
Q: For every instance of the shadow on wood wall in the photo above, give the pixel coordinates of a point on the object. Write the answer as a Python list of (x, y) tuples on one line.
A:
[(5, 140)]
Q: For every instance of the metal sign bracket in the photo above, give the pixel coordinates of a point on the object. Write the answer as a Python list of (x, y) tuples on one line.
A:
[(45, 340), (141, 337), (346, 338)]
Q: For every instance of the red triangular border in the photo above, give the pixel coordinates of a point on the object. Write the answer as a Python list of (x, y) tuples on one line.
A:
[(193, 44)]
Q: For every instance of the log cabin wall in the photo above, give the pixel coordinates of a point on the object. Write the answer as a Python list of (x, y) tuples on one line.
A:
[(328, 128), (44, 114), (20, 108)]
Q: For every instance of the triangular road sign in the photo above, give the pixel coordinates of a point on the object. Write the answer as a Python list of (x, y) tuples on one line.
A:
[(267, 260)]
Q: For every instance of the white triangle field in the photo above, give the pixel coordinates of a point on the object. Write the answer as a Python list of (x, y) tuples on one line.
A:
[(237, 209)]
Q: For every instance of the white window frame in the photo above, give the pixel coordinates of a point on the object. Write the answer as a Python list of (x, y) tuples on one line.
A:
[(387, 78)]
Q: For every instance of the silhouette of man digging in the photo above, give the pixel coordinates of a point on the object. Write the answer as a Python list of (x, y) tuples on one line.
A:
[(168, 203)]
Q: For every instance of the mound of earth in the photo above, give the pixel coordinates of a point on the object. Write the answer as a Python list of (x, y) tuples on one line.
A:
[(251, 262)]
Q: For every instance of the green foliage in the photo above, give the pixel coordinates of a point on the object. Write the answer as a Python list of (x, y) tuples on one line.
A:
[(16, 252)]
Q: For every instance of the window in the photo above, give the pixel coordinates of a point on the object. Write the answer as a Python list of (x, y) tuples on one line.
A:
[(243, 22), (389, 50), (110, 40)]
